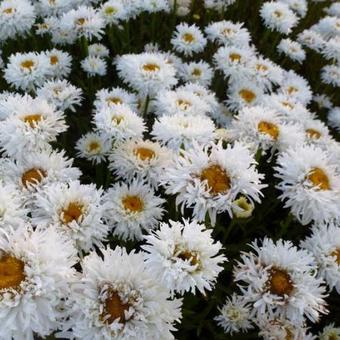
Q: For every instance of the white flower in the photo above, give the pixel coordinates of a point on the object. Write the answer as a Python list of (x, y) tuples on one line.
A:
[(60, 63), (188, 39), (27, 70), (179, 130), (74, 209), (311, 39), (184, 256), (330, 332), (209, 179), (117, 298), (279, 280), (143, 159), (228, 33), (16, 18), (60, 93), (330, 74), (35, 273), (132, 209), (98, 50), (147, 73), (113, 11), (334, 118), (277, 15), (196, 72), (235, 315), (94, 147), (31, 124), (310, 184), (292, 50), (119, 122), (324, 244), (94, 65)]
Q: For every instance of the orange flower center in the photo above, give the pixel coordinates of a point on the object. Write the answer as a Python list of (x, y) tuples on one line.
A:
[(192, 257), (217, 179), (33, 176), (8, 10), (312, 133), (27, 64), (280, 282), (73, 212), (319, 179), (94, 147), (235, 57), (247, 95), (33, 119), (81, 21), (54, 59), (269, 129), (336, 253), (11, 272), (133, 203), (114, 308), (188, 38), (144, 153), (151, 67)]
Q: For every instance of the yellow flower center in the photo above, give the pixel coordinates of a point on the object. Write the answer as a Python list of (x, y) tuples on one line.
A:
[(117, 119), (133, 203), (336, 253), (269, 129), (151, 67), (114, 308), (261, 67), (114, 100), (54, 60), (33, 176), (93, 147), (27, 64), (8, 10), (11, 272), (227, 32), (278, 14), (196, 72), (217, 179), (188, 38), (319, 179), (312, 133), (33, 119), (292, 89), (81, 21), (73, 212), (190, 256), (287, 105), (144, 153), (280, 282), (183, 104), (109, 10), (235, 57), (247, 95)]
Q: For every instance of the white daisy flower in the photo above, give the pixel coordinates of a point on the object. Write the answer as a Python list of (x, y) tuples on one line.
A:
[(228, 33), (278, 279), (16, 18), (13, 212), (180, 131), (324, 244), (292, 50), (94, 147), (62, 31), (117, 298), (147, 73), (119, 122), (263, 128), (60, 63), (330, 332), (333, 9), (311, 39), (38, 169), (114, 96), (298, 6), (181, 7), (138, 158), (132, 209), (188, 39), (209, 179), (330, 74), (277, 16), (56, 7), (323, 101), (35, 273), (98, 50), (234, 315), (180, 101), (113, 11), (31, 124), (332, 49), (196, 72), (310, 184), (26, 71), (74, 209), (334, 118), (61, 94), (94, 65), (184, 256), (316, 132)]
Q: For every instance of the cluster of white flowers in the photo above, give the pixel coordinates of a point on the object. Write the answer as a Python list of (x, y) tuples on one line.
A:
[(124, 170)]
